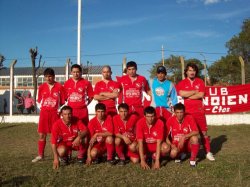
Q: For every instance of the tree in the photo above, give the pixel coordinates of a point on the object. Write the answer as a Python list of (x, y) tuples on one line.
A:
[(239, 45), (173, 67), (2, 59), (226, 71), (35, 68)]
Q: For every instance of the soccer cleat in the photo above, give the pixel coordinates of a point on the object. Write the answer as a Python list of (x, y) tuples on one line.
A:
[(63, 161), (183, 156), (37, 159), (210, 156), (80, 160), (121, 163), (111, 162), (192, 163), (96, 161), (177, 161)]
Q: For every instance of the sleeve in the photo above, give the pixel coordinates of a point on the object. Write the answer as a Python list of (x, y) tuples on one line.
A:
[(81, 126), (139, 130), (110, 127), (62, 95), (179, 87), (91, 128), (202, 86), (168, 126), (96, 89), (90, 91), (173, 95), (160, 129), (146, 85)]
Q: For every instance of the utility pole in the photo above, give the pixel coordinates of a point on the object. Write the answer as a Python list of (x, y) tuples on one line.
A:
[(182, 67), (12, 85), (79, 32)]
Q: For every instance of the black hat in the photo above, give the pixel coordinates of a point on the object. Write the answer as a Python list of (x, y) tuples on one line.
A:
[(161, 69)]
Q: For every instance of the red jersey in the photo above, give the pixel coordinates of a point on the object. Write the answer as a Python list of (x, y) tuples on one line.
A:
[(126, 128), (132, 91), (77, 92), (51, 99), (149, 134), (64, 133), (192, 105), (177, 130), (95, 127), (101, 86)]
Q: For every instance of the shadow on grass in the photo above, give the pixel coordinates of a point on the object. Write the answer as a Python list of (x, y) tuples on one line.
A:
[(216, 145), (18, 181)]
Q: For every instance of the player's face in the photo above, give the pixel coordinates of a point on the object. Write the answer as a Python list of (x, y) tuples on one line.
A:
[(50, 79), (161, 76), (100, 114), (123, 113), (76, 73), (131, 71), (191, 73), (150, 118), (179, 114), (66, 116), (106, 73)]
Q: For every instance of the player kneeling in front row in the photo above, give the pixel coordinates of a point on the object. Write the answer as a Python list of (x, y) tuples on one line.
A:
[(183, 133), (149, 134), (101, 136), (68, 134), (124, 128)]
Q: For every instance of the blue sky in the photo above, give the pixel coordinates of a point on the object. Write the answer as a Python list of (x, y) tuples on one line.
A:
[(113, 29)]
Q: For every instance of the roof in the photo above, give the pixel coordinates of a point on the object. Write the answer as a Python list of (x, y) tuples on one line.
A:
[(93, 70)]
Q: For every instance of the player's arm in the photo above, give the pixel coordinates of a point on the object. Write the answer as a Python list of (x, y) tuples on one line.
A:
[(157, 155), (144, 165), (56, 156), (187, 94), (89, 159), (198, 95), (78, 140), (100, 97)]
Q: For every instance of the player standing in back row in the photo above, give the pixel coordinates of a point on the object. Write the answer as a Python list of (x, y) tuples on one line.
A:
[(79, 93), (133, 86), (192, 89)]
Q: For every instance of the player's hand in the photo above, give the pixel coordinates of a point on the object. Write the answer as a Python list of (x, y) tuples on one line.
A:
[(56, 164), (127, 140), (156, 165), (76, 141), (88, 161), (144, 165), (92, 141)]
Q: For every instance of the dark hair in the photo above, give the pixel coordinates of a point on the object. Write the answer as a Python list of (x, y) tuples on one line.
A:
[(192, 65), (100, 106), (49, 71), (107, 66), (149, 110), (179, 106), (65, 108), (76, 66), (131, 64), (123, 105)]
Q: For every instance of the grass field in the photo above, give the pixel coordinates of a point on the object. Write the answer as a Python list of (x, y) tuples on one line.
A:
[(229, 143)]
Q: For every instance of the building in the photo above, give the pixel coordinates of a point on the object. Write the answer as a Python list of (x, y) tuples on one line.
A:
[(23, 80)]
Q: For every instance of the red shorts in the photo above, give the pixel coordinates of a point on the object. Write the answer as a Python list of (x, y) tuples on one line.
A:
[(128, 152), (81, 114), (46, 120), (186, 147), (138, 110), (200, 120), (101, 147), (68, 146), (111, 111), (163, 113)]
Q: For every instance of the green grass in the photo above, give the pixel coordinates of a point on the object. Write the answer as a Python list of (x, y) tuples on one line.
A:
[(229, 143)]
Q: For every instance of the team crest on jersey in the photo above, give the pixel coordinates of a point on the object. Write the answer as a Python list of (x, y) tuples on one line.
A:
[(80, 89), (138, 85), (159, 91), (111, 88), (55, 94), (197, 86), (185, 130), (154, 133)]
